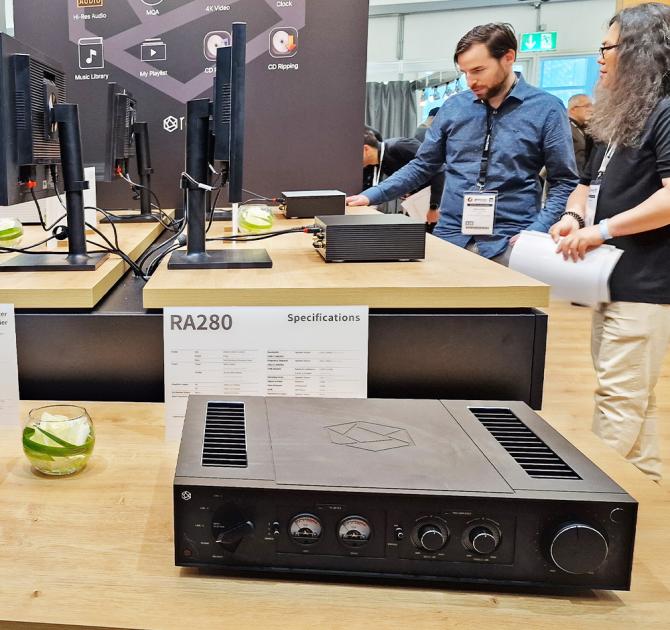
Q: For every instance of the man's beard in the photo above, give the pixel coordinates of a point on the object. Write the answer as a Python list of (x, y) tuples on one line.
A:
[(494, 91)]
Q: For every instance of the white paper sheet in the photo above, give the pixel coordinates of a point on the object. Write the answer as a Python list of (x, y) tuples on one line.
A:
[(9, 373), (262, 351), (416, 206), (584, 281)]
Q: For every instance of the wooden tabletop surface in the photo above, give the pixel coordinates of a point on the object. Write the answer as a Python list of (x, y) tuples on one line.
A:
[(96, 550), (449, 277), (74, 289)]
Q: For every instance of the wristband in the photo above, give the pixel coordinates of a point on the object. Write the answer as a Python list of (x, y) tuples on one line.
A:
[(574, 215), (604, 230), (433, 206)]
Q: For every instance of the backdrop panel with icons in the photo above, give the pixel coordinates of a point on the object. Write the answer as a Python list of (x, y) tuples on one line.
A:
[(306, 62)]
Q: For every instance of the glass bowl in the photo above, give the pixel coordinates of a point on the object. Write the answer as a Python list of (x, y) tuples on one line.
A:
[(58, 439), (255, 218), (11, 231)]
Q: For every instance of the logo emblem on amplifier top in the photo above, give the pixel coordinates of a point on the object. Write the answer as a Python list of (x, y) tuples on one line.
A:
[(369, 436), (186, 495)]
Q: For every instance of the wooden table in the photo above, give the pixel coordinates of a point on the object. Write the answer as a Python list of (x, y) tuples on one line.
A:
[(74, 289), (449, 277), (95, 550)]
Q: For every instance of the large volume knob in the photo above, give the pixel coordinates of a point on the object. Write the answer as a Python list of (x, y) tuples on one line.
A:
[(231, 537), (432, 538), (578, 548)]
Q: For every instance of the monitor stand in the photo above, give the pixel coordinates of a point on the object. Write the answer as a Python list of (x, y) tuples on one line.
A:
[(78, 259), (144, 171), (196, 255)]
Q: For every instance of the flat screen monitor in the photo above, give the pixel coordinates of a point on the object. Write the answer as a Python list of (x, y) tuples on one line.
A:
[(119, 135), (31, 85)]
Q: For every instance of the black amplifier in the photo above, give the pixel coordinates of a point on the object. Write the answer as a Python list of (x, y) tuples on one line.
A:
[(370, 238), (306, 204), (467, 491)]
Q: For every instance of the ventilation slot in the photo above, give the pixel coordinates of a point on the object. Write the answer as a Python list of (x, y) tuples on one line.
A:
[(225, 441), (528, 450), (21, 118)]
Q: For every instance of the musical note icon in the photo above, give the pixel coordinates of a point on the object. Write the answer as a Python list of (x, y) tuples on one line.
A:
[(91, 53)]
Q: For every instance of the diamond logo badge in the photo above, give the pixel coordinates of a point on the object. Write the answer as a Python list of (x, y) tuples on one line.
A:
[(170, 124), (369, 436)]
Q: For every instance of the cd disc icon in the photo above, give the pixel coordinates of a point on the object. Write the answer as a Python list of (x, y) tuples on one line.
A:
[(215, 40), (284, 42)]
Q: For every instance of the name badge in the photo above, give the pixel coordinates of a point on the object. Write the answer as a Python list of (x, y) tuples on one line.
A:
[(479, 209), (592, 204)]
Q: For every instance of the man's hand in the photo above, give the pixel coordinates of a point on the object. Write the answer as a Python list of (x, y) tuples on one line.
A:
[(565, 227), (432, 216), (514, 239), (358, 200), (576, 244)]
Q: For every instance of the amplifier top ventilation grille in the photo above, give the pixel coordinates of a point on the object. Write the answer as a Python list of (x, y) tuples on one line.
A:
[(529, 451), (225, 443)]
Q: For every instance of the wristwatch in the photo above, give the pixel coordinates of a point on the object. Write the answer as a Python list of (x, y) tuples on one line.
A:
[(604, 230)]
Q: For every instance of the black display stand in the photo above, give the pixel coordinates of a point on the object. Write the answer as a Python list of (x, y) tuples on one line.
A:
[(144, 171), (196, 256), (77, 259)]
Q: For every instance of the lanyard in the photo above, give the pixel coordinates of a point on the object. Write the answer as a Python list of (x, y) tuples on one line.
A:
[(611, 148), (486, 151), (378, 168)]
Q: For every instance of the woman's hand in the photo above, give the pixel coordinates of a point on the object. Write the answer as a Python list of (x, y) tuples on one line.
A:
[(566, 226), (576, 244)]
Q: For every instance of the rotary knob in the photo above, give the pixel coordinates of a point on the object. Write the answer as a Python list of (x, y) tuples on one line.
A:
[(484, 539), (578, 548), (432, 538)]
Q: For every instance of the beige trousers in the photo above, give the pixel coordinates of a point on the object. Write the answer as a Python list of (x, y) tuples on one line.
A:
[(628, 343)]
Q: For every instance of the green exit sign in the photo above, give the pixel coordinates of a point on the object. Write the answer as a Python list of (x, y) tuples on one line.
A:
[(538, 42)]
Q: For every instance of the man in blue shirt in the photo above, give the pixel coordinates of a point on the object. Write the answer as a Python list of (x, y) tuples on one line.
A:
[(494, 140)]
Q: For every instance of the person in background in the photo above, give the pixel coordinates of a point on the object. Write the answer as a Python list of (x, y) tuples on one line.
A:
[(493, 141), (420, 133), (580, 108), (625, 197), (389, 156)]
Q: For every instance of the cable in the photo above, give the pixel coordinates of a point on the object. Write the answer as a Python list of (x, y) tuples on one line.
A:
[(153, 265), (114, 250), (258, 196), (54, 179), (41, 216), (212, 208), (184, 222), (243, 238), (165, 219), (27, 249)]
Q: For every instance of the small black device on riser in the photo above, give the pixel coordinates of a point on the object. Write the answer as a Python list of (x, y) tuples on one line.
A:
[(420, 490), (306, 204), (370, 238)]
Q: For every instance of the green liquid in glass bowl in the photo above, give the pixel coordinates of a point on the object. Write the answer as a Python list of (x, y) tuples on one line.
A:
[(58, 439)]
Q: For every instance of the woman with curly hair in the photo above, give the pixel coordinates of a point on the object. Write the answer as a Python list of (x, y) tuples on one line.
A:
[(624, 199)]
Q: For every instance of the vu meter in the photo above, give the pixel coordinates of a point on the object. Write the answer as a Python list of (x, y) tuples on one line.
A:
[(354, 531), (284, 42), (305, 529)]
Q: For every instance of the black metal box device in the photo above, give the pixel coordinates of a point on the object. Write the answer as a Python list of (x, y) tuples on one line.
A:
[(306, 204), (466, 491), (370, 237)]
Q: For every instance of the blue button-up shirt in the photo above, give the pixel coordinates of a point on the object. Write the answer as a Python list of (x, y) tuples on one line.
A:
[(530, 130)]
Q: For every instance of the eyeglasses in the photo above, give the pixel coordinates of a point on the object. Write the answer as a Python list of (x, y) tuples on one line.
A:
[(602, 49)]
